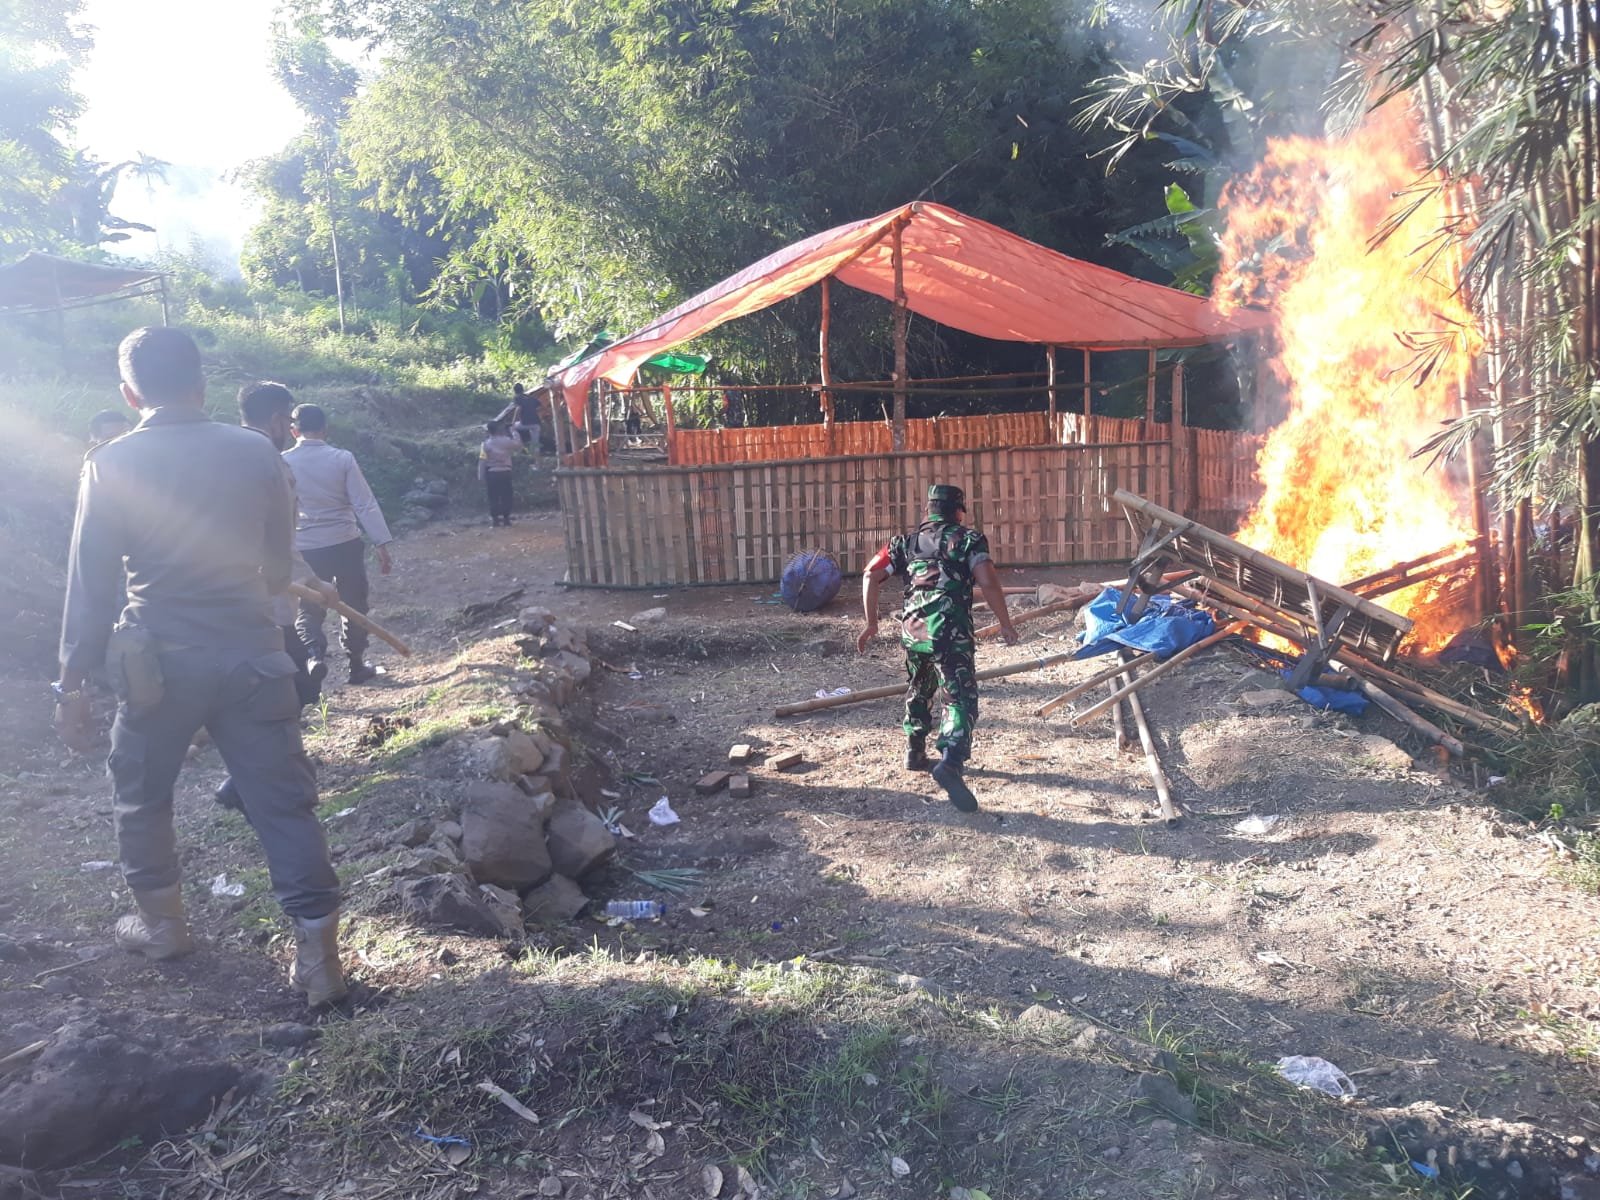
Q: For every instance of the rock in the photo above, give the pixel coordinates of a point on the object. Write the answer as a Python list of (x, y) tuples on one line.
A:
[(425, 499), (503, 835), (505, 907), (289, 1035), (739, 787), (1161, 1093), (547, 744), (490, 758), (448, 901), (412, 833), (647, 616), (1268, 698), (575, 665), (564, 637), (555, 762), (449, 830), (1381, 751), (554, 902), (102, 1081), (535, 620), (526, 757), (432, 859), (787, 761), (578, 840)]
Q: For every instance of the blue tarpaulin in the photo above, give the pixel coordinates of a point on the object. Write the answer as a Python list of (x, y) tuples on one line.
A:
[(1327, 699), (1165, 627)]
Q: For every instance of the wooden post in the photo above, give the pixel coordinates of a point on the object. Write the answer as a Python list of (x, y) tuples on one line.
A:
[(560, 418), (824, 362), (1050, 387), (672, 424), (897, 433), (1182, 460), (1088, 398), (1150, 399), (166, 314)]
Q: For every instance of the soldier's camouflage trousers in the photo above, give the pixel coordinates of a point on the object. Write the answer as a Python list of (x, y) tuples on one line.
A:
[(947, 665)]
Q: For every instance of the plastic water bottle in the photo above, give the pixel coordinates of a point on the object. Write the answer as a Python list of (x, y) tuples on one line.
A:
[(636, 910)]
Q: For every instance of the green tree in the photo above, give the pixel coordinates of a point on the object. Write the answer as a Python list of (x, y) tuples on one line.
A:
[(598, 160), (40, 43)]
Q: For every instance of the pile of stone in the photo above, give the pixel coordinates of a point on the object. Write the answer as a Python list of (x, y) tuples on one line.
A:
[(524, 836), (426, 500)]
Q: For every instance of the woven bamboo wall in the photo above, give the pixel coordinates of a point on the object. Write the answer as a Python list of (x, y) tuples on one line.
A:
[(733, 523)]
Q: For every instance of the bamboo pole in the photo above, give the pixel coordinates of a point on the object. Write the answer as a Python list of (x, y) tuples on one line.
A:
[(1182, 656), (883, 693), (1050, 385), (1033, 614), (1118, 726), (1089, 684), (1147, 741), (1406, 717), (672, 424), (897, 436), (1088, 390), (824, 361), (1150, 399)]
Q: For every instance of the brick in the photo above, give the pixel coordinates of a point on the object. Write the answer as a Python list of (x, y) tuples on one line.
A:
[(712, 782), (740, 753), (787, 761), (739, 787)]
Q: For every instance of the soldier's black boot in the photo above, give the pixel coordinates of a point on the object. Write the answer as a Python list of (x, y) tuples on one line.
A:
[(947, 774), (917, 753), (228, 796)]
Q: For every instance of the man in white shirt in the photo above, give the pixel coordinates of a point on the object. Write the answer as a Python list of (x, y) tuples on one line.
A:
[(335, 506)]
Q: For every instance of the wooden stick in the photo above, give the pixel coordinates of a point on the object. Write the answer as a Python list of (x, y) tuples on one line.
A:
[(1169, 813), (1094, 681), (1406, 717), (883, 693), (1117, 724), (1032, 614), (1182, 656), (1359, 664), (350, 614)]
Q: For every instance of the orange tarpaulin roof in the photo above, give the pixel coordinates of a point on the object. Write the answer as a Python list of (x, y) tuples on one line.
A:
[(958, 271)]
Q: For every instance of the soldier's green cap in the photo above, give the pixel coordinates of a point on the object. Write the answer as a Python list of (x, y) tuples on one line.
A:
[(942, 495)]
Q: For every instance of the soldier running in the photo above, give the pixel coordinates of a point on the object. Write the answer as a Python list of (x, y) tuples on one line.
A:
[(940, 562), (201, 515)]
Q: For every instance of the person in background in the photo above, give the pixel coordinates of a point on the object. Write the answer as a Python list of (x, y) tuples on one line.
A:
[(106, 424), (523, 413), (496, 464), (940, 562), (265, 407), (199, 515), (335, 506)]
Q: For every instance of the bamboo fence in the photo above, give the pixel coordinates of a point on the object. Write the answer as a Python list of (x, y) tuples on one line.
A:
[(740, 522)]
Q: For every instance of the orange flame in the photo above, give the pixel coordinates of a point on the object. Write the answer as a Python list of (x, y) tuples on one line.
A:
[(1373, 343)]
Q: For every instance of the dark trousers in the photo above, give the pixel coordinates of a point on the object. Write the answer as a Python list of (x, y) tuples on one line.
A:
[(498, 484), (248, 703), (344, 566), (307, 689)]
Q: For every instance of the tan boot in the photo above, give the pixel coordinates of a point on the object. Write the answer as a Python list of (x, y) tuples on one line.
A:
[(317, 972), (158, 929)]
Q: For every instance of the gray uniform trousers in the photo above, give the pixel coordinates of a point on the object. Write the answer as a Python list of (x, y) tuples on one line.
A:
[(248, 703)]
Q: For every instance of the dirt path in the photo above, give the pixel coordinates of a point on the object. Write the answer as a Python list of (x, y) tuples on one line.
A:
[(1386, 919)]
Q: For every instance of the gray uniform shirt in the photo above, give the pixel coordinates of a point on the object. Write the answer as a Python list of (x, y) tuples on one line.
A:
[(200, 515), (336, 503)]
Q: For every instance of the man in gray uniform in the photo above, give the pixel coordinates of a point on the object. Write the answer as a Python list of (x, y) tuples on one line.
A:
[(200, 512)]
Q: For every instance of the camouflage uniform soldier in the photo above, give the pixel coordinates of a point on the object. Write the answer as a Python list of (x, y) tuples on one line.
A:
[(940, 562)]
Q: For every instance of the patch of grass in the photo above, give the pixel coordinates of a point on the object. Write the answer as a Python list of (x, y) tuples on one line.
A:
[(335, 803)]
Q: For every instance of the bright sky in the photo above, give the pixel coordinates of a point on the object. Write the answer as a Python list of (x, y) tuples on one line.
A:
[(187, 81)]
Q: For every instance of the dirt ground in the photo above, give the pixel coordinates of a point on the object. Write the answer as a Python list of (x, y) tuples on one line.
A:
[(860, 979)]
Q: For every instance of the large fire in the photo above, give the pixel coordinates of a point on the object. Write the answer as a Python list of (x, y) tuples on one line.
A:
[(1373, 342)]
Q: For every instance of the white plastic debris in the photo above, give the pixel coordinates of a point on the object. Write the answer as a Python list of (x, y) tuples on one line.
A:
[(824, 693), (661, 813), (98, 864), (1318, 1074), (221, 887), (1254, 826)]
